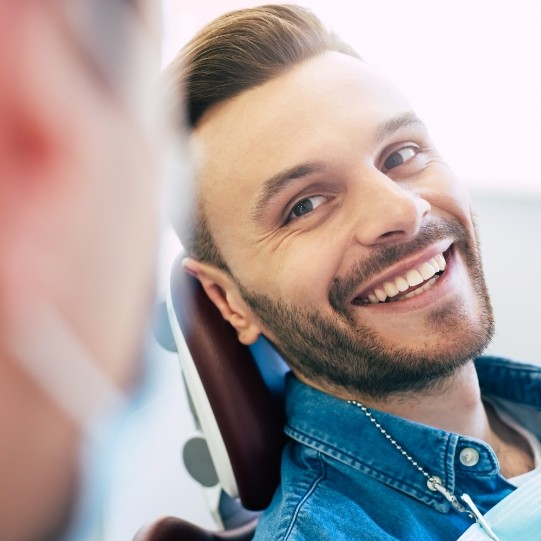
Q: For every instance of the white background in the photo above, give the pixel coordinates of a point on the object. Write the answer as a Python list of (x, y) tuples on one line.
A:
[(471, 68)]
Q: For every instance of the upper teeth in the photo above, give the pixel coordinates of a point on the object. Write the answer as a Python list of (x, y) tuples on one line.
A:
[(413, 277)]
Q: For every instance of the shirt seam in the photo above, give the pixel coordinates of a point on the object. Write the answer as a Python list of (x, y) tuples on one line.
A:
[(304, 499)]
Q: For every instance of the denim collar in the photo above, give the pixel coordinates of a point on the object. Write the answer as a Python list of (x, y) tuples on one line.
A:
[(508, 380), (342, 431)]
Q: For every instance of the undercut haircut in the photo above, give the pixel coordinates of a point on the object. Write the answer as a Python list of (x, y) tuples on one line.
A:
[(238, 51)]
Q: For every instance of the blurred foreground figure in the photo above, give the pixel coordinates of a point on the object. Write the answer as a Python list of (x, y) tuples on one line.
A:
[(78, 191)]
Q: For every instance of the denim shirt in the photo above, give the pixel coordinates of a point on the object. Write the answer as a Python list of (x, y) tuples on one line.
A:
[(343, 480)]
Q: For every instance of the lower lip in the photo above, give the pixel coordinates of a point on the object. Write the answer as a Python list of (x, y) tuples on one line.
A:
[(445, 285)]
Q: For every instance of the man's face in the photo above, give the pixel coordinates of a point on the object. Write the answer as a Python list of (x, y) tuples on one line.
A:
[(347, 235)]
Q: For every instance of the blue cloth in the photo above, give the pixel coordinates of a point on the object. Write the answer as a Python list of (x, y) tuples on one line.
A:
[(515, 518), (342, 480)]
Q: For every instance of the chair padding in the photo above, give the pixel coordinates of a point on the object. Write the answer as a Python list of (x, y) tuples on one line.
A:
[(176, 529), (248, 416)]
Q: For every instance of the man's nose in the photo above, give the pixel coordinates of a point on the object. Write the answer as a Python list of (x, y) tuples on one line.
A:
[(391, 211)]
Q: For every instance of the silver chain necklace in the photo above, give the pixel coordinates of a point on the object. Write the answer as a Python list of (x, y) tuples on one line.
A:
[(433, 482)]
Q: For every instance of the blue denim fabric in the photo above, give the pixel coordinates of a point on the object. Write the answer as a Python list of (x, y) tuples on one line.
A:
[(342, 480)]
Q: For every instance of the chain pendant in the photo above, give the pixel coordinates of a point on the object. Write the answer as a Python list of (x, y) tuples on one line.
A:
[(434, 483), (479, 518)]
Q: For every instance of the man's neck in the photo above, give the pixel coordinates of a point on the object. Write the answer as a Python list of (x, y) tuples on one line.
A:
[(453, 405)]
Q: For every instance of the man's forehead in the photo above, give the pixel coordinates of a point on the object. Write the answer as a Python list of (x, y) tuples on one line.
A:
[(289, 119)]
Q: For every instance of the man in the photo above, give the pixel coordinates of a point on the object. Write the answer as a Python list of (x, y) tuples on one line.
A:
[(78, 194), (326, 220)]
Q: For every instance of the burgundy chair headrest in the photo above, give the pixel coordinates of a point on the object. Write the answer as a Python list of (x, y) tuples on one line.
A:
[(176, 529), (248, 414)]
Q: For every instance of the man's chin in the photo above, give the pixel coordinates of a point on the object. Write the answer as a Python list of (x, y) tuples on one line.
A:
[(409, 372), (364, 361)]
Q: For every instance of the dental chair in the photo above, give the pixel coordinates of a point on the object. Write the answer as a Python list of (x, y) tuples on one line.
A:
[(236, 396)]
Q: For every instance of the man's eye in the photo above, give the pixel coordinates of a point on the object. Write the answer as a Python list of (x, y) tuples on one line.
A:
[(304, 206), (400, 156)]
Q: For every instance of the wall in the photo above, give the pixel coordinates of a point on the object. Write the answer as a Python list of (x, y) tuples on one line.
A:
[(509, 228)]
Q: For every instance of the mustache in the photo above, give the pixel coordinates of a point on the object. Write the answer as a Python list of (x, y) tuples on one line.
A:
[(342, 288)]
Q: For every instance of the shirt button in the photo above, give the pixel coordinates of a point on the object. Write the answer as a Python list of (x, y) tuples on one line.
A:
[(469, 456)]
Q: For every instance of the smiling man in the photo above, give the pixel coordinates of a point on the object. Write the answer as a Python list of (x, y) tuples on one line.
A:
[(326, 220)]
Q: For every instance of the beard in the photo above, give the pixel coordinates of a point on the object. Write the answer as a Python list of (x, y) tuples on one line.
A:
[(337, 350)]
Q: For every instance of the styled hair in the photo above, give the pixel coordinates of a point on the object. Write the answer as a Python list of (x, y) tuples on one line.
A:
[(234, 53)]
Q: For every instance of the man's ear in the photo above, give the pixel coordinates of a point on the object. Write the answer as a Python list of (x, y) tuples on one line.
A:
[(223, 292)]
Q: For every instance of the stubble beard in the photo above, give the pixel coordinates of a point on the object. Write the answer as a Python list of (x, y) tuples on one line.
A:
[(337, 351)]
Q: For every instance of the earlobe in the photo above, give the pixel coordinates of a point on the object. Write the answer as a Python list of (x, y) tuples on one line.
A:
[(223, 292), (247, 331)]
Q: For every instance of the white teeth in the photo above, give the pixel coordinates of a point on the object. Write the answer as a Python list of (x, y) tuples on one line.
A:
[(422, 289), (410, 295), (426, 270), (380, 294), (440, 260), (414, 277), (434, 264), (401, 284), (390, 289)]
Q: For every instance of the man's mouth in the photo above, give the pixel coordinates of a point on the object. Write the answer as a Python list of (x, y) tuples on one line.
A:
[(408, 284)]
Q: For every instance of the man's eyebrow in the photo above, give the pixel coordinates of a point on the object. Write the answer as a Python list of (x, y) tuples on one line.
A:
[(387, 128), (276, 184)]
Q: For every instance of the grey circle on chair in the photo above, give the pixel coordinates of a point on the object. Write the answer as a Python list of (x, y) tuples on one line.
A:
[(198, 462)]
